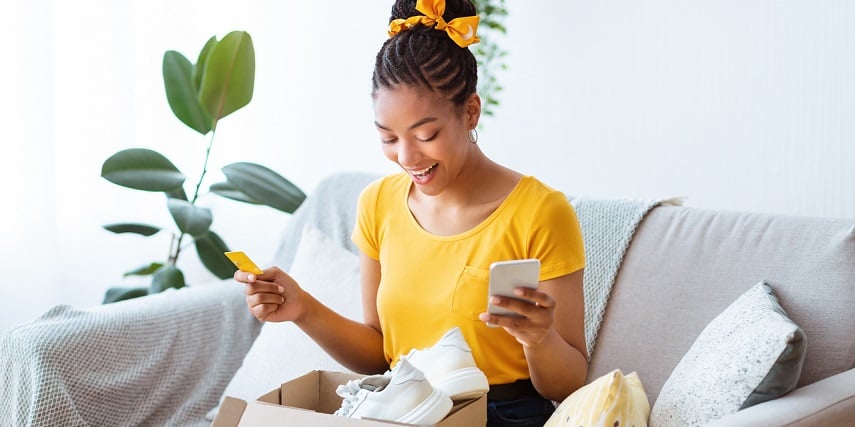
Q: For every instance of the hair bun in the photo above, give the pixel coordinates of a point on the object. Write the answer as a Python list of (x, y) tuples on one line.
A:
[(403, 9)]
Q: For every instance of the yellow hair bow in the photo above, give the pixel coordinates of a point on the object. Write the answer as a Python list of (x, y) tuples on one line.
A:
[(461, 30)]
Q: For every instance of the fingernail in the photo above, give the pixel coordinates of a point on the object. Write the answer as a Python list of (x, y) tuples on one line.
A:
[(519, 292), (280, 289), (250, 277), (495, 300)]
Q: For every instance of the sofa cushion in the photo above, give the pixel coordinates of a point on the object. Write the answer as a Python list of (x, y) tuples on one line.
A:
[(282, 351), (750, 353), (611, 400)]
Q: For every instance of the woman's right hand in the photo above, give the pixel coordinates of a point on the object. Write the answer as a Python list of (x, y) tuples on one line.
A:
[(272, 296)]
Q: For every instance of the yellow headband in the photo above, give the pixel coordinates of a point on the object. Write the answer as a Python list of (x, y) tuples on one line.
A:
[(461, 30)]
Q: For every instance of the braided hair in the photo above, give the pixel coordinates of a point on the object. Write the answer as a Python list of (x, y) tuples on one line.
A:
[(422, 56)]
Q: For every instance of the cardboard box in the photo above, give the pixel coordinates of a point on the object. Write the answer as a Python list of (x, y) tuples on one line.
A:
[(310, 400)]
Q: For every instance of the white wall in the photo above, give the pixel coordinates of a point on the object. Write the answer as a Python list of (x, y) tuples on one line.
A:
[(735, 105), (738, 105)]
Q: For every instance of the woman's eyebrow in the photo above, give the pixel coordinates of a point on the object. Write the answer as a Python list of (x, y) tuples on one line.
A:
[(413, 126)]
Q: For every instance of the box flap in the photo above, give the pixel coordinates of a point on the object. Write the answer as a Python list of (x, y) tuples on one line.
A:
[(230, 412), (272, 396), (469, 413), (301, 392)]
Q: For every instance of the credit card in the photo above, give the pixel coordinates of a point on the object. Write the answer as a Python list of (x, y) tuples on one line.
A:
[(243, 263)]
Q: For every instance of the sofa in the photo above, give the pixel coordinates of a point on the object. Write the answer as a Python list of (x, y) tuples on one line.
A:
[(165, 359)]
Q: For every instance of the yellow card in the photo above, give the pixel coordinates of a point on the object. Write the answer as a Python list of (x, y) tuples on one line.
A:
[(243, 263)]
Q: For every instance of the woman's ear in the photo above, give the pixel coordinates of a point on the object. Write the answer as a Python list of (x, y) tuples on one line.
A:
[(472, 110)]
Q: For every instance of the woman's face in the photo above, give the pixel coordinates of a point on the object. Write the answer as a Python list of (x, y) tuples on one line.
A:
[(424, 134)]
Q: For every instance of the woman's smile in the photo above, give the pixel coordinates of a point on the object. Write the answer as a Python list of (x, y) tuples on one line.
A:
[(422, 176)]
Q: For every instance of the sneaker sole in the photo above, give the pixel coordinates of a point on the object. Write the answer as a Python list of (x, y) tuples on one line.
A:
[(431, 411), (466, 383)]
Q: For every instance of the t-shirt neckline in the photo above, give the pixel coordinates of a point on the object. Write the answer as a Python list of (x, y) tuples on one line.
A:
[(411, 218)]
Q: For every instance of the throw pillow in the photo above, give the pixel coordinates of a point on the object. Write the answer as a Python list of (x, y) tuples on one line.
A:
[(282, 351), (612, 400), (750, 353)]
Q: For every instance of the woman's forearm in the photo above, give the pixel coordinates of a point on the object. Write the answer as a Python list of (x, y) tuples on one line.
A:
[(356, 345), (557, 368)]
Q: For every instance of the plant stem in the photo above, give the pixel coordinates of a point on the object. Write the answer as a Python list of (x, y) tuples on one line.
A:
[(204, 166), (178, 248), (170, 258), (174, 258)]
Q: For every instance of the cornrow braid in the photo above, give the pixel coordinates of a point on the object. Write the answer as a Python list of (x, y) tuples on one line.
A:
[(423, 56)]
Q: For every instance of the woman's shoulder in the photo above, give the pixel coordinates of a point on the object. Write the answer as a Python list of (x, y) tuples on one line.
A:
[(384, 190), (536, 190)]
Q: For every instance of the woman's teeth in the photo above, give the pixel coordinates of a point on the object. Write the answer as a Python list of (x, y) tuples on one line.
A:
[(425, 171)]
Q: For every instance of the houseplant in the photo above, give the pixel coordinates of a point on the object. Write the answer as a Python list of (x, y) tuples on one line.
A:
[(488, 53), (200, 95)]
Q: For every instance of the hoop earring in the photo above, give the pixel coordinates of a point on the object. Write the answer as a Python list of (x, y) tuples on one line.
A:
[(473, 136)]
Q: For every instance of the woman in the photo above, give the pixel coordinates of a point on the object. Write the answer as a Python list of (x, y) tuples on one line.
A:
[(428, 235)]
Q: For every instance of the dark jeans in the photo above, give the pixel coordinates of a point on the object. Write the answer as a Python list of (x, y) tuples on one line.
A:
[(524, 412)]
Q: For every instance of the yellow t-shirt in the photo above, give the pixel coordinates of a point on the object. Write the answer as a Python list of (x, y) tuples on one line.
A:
[(429, 283)]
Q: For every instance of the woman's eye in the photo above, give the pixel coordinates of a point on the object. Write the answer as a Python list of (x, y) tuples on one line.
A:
[(388, 141), (430, 138)]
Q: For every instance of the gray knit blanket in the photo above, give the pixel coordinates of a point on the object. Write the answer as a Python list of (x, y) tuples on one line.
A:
[(607, 228), (152, 361)]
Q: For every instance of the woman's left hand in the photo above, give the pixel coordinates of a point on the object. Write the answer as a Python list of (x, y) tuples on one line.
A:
[(536, 308)]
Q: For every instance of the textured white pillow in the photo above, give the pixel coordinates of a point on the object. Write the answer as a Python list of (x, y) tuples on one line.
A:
[(750, 353), (282, 351)]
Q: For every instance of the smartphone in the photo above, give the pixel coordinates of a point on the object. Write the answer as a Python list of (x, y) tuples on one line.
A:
[(243, 263), (505, 276)]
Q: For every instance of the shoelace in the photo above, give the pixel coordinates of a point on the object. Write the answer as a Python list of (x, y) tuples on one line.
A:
[(350, 393)]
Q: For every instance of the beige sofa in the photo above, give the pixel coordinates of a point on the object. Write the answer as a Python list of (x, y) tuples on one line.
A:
[(166, 359), (685, 265)]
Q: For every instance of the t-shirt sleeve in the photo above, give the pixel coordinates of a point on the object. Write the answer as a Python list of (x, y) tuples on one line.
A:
[(556, 237), (365, 233)]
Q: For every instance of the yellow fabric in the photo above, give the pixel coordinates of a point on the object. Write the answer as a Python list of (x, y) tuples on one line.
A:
[(431, 283), (611, 400), (462, 30)]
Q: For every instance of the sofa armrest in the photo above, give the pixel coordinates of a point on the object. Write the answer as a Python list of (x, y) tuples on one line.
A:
[(829, 403), (159, 360)]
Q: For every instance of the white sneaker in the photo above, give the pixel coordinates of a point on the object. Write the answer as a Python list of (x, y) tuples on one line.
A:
[(401, 395), (450, 367)]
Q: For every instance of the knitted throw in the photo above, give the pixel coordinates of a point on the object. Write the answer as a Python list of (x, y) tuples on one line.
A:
[(607, 228)]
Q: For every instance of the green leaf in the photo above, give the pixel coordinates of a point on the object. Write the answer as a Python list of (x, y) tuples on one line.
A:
[(129, 227), (210, 248), (145, 270), (229, 191), (168, 276), (229, 75), (190, 218), (265, 186), (177, 193), (142, 169), (182, 94), (121, 294), (199, 68)]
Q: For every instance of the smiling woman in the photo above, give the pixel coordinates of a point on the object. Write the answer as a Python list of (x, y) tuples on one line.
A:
[(450, 210)]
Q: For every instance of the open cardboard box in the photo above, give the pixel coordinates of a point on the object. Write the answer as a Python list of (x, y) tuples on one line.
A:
[(310, 400)]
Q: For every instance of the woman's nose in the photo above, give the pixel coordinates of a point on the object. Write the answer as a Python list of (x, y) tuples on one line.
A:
[(408, 154)]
